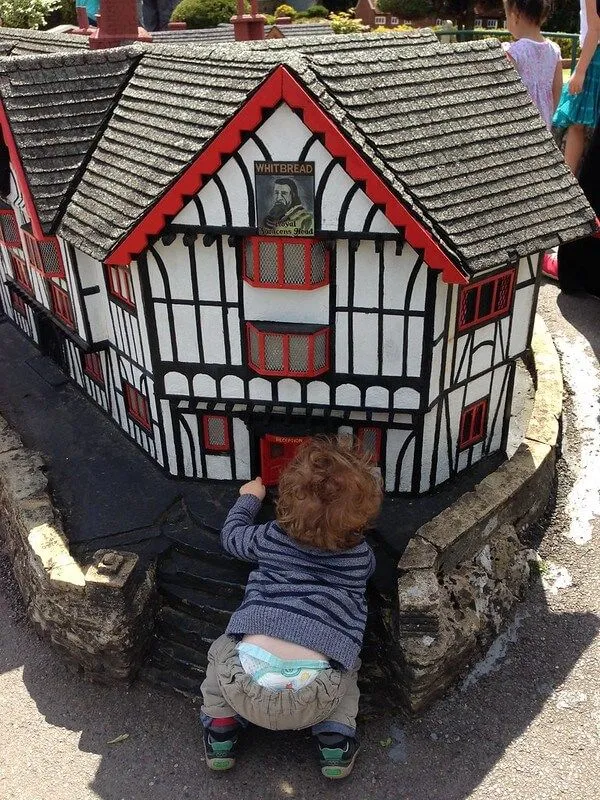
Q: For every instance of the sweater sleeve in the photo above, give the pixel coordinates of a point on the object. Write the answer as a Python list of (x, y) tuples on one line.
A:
[(239, 535)]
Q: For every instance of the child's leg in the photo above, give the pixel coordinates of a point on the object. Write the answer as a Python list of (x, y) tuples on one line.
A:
[(335, 737), (574, 147), (220, 722)]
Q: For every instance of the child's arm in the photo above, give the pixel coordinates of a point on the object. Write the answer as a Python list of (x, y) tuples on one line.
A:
[(590, 43), (239, 535), (557, 84)]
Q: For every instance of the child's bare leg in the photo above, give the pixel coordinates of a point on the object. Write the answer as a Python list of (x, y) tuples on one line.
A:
[(574, 147)]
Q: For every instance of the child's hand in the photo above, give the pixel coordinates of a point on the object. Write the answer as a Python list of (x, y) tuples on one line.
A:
[(254, 487)]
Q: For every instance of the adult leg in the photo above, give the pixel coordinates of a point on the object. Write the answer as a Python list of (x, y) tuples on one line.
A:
[(150, 12), (574, 147), (165, 9)]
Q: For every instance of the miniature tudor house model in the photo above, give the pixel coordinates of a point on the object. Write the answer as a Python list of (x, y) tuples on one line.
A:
[(230, 248)]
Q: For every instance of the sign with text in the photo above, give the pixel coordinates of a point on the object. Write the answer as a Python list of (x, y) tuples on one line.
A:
[(285, 197)]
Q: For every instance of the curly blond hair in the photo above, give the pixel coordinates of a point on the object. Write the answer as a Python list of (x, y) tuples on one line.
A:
[(329, 493)]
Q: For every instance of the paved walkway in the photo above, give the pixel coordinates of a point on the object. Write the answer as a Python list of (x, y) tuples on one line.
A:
[(524, 726)]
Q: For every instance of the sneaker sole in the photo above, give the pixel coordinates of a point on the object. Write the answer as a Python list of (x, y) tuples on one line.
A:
[(220, 764), (335, 772)]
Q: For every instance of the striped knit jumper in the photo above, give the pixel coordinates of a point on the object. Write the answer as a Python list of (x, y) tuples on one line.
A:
[(314, 598)]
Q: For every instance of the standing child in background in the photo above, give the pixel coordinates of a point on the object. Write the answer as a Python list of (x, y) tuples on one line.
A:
[(289, 657), (579, 106), (536, 59)]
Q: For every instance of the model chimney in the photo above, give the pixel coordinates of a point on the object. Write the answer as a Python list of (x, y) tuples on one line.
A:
[(117, 24), (248, 27)]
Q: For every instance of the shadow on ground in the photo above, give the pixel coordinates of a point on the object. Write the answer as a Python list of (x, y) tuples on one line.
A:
[(444, 755)]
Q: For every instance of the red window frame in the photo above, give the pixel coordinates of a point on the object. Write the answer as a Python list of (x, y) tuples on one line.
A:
[(209, 446), (8, 222), (261, 367), (92, 367), (118, 277), (376, 452), (253, 276), (34, 248), (473, 423), (500, 302), (18, 303), (136, 405), (61, 304), (20, 271)]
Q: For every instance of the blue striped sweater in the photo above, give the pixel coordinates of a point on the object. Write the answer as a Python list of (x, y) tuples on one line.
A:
[(315, 598)]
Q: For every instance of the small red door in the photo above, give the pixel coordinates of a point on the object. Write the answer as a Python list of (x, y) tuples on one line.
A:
[(275, 453)]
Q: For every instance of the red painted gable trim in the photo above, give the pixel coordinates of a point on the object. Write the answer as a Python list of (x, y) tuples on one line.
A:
[(21, 178), (280, 86)]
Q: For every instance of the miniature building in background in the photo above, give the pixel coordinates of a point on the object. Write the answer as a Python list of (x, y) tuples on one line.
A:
[(231, 248)]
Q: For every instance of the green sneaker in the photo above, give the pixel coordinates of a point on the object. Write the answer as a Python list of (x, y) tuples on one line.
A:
[(337, 754), (220, 748)]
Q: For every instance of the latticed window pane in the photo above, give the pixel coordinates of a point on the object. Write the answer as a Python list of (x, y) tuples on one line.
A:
[(293, 263), (249, 253), (50, 258), (320, 355), (299, 353), (267, 256), (317, 266), (254, 347), (369, 440), (273, 352), (468, 306), (216, 431), (503, 293), (9, 228)]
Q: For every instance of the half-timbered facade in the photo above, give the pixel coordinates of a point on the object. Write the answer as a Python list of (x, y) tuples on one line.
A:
[(289, 250)]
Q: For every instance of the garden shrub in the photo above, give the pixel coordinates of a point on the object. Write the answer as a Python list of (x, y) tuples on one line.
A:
[(285, 11), (26, 13), (317, 11), (204, 13)]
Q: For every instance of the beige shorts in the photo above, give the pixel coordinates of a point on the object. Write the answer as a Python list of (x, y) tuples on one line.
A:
[(228, 690)]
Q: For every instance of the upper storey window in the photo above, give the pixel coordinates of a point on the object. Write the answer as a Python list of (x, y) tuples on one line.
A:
[(297, 350), (119, 284), (486, 300), (44, 255), (9, 227), (286, 263)]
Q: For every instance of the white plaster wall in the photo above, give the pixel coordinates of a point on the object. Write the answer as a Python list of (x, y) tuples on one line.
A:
[(287, 305), (241, 444), (395, 440), (91, 274)]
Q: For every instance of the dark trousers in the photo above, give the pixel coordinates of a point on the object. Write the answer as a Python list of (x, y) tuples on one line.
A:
[(157, 14)]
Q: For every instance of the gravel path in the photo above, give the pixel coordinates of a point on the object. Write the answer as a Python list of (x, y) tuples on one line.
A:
[(524, 725)]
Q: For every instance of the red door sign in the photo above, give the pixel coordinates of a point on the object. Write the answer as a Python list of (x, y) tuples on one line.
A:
[(275, 453)]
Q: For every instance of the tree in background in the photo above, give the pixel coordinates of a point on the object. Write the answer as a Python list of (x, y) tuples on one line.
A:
[(407, 9), (565, 17), (26, 13)]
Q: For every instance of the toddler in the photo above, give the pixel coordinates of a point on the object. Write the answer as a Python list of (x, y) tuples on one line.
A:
[(289, 656)]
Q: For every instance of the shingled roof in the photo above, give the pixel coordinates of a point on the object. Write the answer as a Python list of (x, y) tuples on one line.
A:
[(57, 106), (225, 32), (23, 42), (450, 128), (153, 135), (455, 127)]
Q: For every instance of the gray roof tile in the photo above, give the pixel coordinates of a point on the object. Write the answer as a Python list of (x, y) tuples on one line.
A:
[(57, 105)]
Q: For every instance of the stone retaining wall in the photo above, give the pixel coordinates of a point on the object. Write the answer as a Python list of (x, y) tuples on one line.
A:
[(462, 574), (98, 615)]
